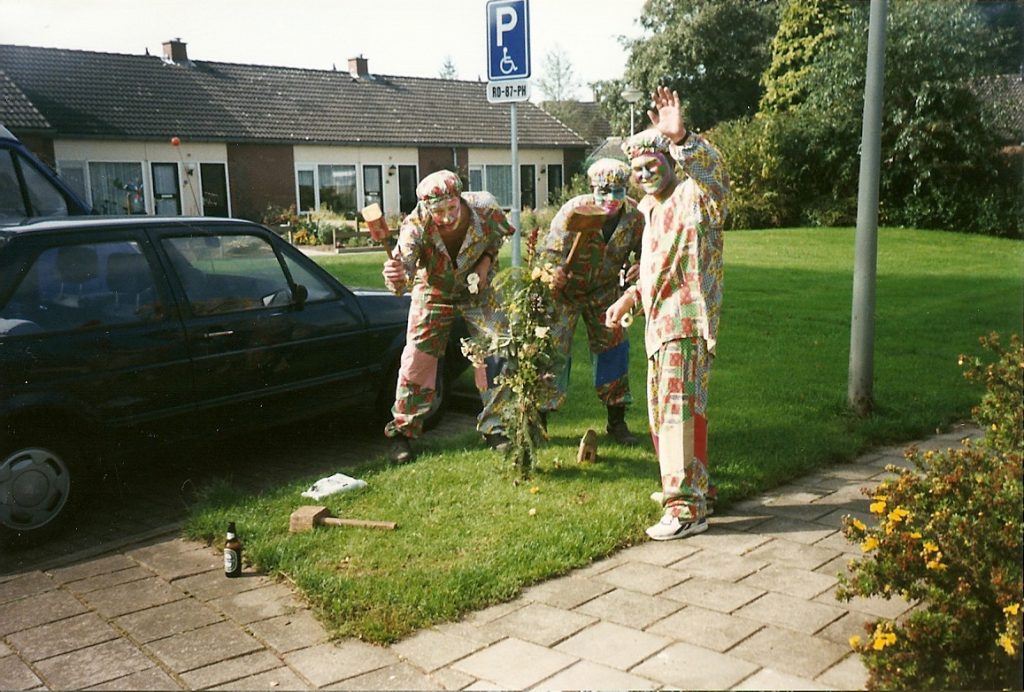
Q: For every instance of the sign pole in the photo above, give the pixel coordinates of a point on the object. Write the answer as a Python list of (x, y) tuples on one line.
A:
[(516, 193)]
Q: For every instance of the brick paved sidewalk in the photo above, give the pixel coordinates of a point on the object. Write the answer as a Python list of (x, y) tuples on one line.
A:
[(748, 605)]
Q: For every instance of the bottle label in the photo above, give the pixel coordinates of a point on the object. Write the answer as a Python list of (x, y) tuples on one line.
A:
[(230, 560)]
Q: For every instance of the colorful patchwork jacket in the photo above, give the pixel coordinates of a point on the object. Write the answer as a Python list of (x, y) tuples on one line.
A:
[(680, 282), (425, 258)]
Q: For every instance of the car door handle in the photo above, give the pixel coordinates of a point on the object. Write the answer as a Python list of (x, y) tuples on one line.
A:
[(214, 335)]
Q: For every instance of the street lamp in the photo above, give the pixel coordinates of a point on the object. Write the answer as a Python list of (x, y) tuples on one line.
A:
[(632, 95)]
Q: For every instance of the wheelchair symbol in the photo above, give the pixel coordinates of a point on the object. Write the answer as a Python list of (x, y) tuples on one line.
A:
[(506, 65)]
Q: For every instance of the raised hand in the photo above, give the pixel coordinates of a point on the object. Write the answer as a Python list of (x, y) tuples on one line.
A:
[(666, 115)]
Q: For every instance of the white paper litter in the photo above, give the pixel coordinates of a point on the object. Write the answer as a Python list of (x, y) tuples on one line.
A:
[(338, 483)]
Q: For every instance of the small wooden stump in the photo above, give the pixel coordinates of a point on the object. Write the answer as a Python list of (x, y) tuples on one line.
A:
[(588, 448)]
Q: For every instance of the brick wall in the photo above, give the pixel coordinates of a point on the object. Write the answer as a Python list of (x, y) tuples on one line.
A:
[(261, 175), (433, 159)]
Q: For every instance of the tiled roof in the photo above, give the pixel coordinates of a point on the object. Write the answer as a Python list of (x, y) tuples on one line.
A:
[(91, 94), (585, 117), (16, 110)]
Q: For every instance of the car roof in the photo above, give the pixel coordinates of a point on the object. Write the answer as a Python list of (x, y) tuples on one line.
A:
[(73, 224)]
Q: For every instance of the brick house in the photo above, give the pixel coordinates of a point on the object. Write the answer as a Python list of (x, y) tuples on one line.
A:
[(169, 135)]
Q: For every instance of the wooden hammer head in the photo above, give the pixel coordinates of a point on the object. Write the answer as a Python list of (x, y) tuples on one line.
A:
[(305, 518), (586, 217)]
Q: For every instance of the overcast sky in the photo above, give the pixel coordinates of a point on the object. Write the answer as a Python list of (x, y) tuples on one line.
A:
[(398, 37)]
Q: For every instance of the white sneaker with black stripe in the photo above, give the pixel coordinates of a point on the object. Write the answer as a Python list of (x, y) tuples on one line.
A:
[(671, 527), (658, 497)]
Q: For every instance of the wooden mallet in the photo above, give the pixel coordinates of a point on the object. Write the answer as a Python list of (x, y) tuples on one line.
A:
[(585, 218), (378, 227), (308, 517)]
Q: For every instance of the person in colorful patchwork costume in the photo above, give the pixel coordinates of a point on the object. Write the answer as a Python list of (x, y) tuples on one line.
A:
[(587, 284), (680, 289), (447, 253)]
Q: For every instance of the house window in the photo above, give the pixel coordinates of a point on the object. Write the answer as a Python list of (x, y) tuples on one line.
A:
[(73, 173), (476, 178), (498, 181), (307, 190), (214, 179), (337, 187), (554, 183), (117, 187), (166, 190)]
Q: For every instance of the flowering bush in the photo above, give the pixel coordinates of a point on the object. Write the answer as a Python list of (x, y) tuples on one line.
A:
[(949, 538), (528, 349)]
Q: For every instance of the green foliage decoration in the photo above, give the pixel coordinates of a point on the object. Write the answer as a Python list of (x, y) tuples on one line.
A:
[(948, 538)]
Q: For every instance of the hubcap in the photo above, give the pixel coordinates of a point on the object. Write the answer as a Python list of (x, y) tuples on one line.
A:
[(34, 487)]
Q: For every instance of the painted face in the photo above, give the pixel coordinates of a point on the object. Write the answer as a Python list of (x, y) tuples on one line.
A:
[(445, 211), (651, 172), (609, 197)]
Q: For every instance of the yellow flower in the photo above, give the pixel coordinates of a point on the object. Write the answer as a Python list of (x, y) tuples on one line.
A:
[(532, 512), (1012, 609), (995, 427), (878, 507), (898, 514), (930, 547), (534, 490), (916, 534), (882, 640), (1007, 643), (869, 544), (535, 274), (858, 524), (935, 564), (855, 641)]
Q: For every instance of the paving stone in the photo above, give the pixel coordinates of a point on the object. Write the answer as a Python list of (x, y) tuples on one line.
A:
[(837, 541), (15, 675), (587, 675), (629, 608), (805, 532), (431, 649), (400, 676), (151, 679), (790, 652), (834, 519), (467, 630), (210, 585), (889, 608), (330, 663), (92, 665), (848, 674), (858, 470), (483, 685), (259, 604), (451, 679), (176, 558), (837, 565), (659, 552), (167, 620), (792, 554), (5, 650), (721, 566), (768, 679), (61, 637), (688, 667), (613, 645), (792, 613), (514, 664), (796, 504), (722, 596), (108, 579), (800, 583), (23, 585), (494, 612), (541, 624), (723, 541), (845, 627), (282, 678), (290, 632), (198, 648), (642, 577), (128, 598), (40, 609), (566, 592), (705, 628), (230, 670), (747, 520), (598, 566)]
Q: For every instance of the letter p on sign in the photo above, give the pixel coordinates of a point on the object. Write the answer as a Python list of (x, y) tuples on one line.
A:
[(508, 39)]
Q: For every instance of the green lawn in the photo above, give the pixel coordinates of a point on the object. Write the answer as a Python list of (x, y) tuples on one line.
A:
[(777, 410)]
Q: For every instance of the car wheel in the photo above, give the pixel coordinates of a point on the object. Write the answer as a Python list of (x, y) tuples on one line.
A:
[(36, 489)]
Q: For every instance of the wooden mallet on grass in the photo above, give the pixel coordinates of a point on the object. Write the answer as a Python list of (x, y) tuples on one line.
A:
[(308, 517)]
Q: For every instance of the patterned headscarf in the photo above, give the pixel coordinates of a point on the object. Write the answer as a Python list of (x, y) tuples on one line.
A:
[(608, 173), (439, 184), (650, 141)]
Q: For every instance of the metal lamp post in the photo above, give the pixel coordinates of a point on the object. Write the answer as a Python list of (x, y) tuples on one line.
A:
[(632, 95)]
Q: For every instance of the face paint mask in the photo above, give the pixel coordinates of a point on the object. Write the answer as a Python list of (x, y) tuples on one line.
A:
[(445, 211), (609, 198), (651, 173)]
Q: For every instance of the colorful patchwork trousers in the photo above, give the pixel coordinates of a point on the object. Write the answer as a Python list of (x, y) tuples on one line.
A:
[(430, 323), (677, 395), (609, 350)]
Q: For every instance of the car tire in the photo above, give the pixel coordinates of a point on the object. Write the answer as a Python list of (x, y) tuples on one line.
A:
[(437, 408), (39, 486)]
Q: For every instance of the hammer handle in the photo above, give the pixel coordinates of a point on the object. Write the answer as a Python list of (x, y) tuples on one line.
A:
[(366, 523)]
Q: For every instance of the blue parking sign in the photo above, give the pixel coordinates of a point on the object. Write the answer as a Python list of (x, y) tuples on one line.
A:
[(508, 39)]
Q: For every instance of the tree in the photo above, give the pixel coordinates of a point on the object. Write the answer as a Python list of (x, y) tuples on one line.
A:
[(448, 69), (558, 81), (713, 52), (805, 28)]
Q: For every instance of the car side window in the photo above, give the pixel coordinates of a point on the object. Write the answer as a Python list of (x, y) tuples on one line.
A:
[(82, 286), (318, 288), (45, 199), (228, 273), (12, 206)]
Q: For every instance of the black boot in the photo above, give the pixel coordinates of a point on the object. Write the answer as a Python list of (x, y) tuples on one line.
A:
[(497, 441), (400, 451), (617, 427), (544, 420)]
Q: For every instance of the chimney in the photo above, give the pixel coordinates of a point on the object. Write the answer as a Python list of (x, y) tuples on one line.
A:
[(357, 67), (174, 52)]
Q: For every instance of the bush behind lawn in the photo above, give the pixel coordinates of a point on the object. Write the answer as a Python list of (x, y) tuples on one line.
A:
[(777, 409)]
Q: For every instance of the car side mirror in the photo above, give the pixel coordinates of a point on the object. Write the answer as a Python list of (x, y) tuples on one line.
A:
[(300, 294)]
